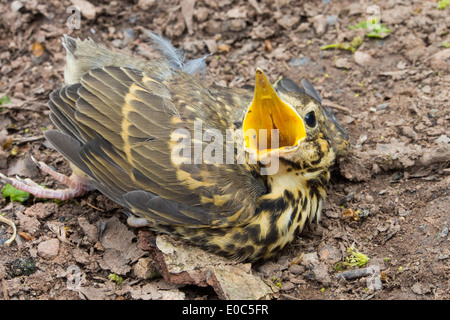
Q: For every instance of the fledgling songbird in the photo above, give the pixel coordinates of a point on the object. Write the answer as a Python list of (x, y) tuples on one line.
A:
[(132, 128)]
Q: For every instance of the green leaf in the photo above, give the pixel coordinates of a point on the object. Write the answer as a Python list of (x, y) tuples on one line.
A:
[(443, 4), (115, 278), (352, 46), (14, 194), (445, 44), (356, 258), (361, 25), (381, 32), (377, 31), (5, 99)]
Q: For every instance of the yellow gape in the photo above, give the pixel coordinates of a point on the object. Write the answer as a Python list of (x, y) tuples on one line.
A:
[(266, 113)]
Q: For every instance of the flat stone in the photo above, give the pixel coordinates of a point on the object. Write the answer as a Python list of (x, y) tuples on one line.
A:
[(319, 269), (330, 254), (42, 210), (48, 249)]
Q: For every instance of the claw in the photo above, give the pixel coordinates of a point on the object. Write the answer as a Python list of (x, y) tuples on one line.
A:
[(77, 186), (5, 179), (30, 182), (27, 181), (34, 160)]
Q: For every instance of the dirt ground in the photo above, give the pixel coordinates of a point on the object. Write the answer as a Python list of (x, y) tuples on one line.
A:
[(392, 95)]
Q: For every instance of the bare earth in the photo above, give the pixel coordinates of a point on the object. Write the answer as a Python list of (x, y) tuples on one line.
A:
[(392, 95)]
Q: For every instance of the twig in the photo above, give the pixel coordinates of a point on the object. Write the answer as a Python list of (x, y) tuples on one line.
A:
[(333, 105), (5, 290), (92, 206), (17, 78), (256, 6), (2, 276), (289, 297), (28, 139), (17, 104), (357, 273)]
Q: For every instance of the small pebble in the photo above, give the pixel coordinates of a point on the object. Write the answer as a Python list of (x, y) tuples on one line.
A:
[(16, 6), (145, 269), (443, 233), (382, 106), (48, 249), (364, 59), (296, 62), (331, 20)]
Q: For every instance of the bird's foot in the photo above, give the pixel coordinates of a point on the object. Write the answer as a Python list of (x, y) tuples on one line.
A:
[(77, 186)]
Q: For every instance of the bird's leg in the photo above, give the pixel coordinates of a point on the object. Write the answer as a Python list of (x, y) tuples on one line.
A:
[(77, 186)]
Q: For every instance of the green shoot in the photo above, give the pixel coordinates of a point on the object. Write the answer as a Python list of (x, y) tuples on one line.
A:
[(115, 278), (378, 31), (352, 46), (5, 99), (443, 4), (356, 258), (14, 194)]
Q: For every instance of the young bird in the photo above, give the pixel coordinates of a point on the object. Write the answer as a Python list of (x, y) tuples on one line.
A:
[(126, 125)]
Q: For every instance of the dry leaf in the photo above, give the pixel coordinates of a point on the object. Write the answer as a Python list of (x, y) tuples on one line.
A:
[(26, 236), (182, 264), (37, 49), (350, 214), (7, 144), (224, 47), (187, 10), (268, 45)]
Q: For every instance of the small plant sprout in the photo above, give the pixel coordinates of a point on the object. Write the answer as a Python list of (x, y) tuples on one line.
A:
[(352, 46), (14, 194), (443, 4), (356, 258), (379, 32), (115, 278)]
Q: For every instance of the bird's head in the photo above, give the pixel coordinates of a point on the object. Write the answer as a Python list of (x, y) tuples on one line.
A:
[(290, 123)]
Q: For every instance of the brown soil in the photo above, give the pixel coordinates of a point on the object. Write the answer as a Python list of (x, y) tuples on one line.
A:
[(392, 95)]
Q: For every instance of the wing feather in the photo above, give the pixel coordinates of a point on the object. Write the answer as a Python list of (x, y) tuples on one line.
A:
[(124, 120)]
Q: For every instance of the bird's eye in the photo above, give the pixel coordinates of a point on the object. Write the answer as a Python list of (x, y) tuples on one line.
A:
[(310, 119)]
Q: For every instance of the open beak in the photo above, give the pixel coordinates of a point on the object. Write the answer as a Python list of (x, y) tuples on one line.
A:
[(271, 124)]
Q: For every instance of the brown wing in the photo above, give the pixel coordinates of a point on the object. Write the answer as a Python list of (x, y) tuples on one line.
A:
[(121, 127)]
